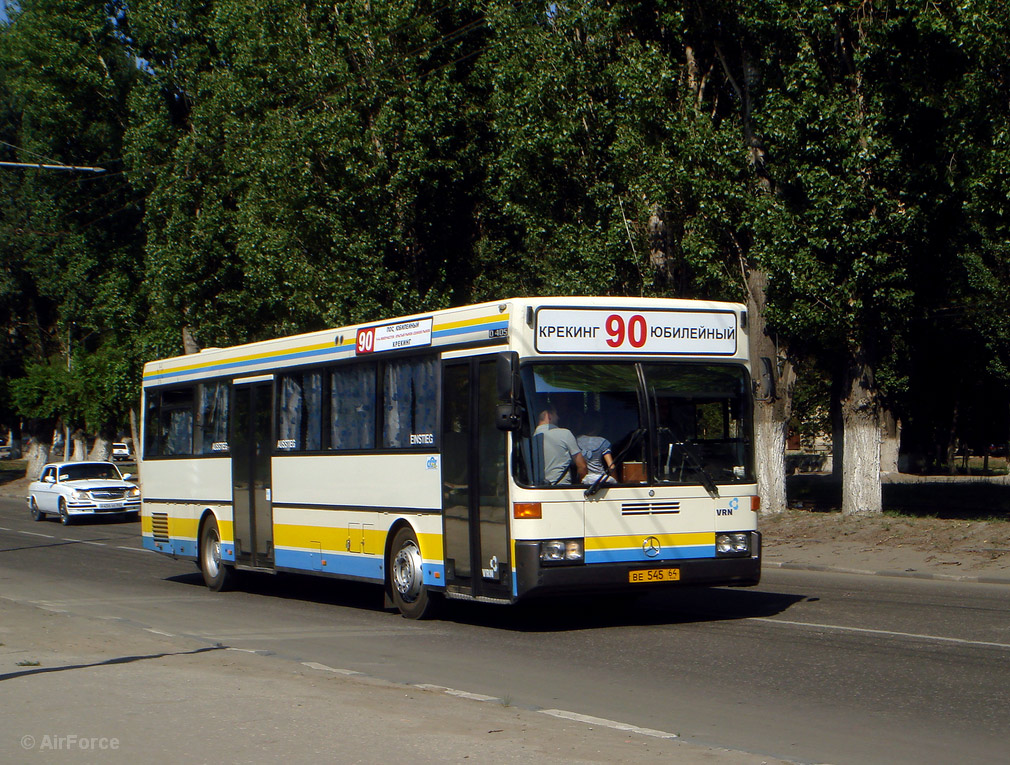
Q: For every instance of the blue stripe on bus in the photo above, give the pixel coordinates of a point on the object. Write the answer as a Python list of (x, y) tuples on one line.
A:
[(334, 352), (268, 362), (637, 555), (361, 566), (185, 548), (470, 329)]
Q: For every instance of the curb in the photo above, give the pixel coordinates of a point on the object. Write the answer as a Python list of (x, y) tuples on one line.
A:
[(894, 574)]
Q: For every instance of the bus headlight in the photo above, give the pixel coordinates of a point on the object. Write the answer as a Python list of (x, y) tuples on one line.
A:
[(737, 543), (561, 551)]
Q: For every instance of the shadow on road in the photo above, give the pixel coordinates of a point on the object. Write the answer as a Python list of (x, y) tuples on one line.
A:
[(108, 662), (680, 606)]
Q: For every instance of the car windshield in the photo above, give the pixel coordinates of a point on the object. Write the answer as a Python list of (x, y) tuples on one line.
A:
[(89, 471), (661, 422)]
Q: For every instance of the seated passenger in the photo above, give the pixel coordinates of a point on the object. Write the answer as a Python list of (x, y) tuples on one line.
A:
[(596, 451)]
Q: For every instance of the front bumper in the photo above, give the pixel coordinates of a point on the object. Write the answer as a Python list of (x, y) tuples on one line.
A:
[(534, 578), (94, 507)]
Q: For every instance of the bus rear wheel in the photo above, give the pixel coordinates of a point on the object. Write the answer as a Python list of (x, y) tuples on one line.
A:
[(406, 577), (216, 573)]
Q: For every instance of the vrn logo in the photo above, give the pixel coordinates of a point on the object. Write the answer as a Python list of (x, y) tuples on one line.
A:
[(432, 463), (733, 505)]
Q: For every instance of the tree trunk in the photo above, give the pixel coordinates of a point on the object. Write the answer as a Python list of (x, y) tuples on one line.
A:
[(890, 440), (772, 411), (101, 448), (861, 494), (38, 456), (79, 444)]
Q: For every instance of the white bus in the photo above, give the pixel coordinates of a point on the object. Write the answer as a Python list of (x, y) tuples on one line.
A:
[(433, 453)]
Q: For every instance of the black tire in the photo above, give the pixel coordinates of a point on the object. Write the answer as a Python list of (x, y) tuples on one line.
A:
[(37, 515), (65, 518), (405, 579), (217, 574)]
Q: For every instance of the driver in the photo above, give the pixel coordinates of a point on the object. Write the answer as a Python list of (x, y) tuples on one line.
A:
[(561, 450)]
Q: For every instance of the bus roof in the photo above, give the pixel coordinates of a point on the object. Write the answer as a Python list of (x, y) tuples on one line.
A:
[(485, 324)]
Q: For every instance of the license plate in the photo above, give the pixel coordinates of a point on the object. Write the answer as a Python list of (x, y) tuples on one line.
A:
[(654, 575)]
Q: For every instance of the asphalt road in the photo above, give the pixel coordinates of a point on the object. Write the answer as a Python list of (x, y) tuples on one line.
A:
[(810, 667)]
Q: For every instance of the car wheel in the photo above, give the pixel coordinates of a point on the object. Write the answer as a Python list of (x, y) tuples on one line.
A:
[(406, 577), (37, 515), (216, 573), (65, 518)]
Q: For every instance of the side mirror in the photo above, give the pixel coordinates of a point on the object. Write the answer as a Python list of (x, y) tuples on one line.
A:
[(127, 476), (764, 380), (507, 369), (50, 478)]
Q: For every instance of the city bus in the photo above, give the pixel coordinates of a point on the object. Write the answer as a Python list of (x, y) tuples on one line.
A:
[(440, 455)]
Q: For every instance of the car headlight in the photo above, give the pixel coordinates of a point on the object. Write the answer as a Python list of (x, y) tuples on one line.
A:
[(79, 494), (562, 551), (134, 492), (737, 543)]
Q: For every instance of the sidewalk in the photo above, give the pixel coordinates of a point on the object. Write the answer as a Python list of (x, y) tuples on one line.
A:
[(75, 689)]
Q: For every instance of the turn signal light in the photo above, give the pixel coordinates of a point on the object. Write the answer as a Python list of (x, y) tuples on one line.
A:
[(530, 510), (755, 503)]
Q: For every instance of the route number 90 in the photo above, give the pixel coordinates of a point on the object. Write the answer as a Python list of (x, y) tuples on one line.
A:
[(366, 340), (635, 331)]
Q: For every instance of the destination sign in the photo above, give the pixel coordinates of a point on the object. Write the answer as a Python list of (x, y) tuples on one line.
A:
[(591, 330), (415, 333)]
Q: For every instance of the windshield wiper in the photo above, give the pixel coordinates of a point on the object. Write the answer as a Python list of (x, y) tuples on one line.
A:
[(692, 459)]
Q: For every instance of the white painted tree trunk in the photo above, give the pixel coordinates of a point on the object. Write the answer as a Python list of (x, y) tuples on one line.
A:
[(771, 415), (78, 446), (890, 441), (861, 493), (770, 447), (38, 456), (100, 449)]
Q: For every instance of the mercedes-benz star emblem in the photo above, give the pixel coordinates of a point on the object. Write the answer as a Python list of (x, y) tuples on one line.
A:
[(651, 546)]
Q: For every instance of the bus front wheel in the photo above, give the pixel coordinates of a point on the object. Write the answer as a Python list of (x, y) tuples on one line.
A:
[(216, 573), (406, 578)]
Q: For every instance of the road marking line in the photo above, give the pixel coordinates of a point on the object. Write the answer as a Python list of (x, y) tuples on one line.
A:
[(886, 633), (257, 651), (36, 534), (132, 549), (96, 544), (454, 692), (324, 668), (158, 632), (607, 723)]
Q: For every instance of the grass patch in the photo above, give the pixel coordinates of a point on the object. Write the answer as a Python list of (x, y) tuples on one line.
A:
[(936, 498), (11, 470)]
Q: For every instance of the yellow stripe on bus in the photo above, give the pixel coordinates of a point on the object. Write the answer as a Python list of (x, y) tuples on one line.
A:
[(625, 541), (187, 528), (335, 539), (169, 369)]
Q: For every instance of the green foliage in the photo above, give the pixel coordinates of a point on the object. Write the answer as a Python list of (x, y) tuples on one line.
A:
[(277, 167)]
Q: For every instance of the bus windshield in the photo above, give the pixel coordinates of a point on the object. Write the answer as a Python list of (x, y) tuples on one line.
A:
[(685, 423)]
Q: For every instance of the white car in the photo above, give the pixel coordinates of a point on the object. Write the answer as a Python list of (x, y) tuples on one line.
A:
[(77, 489), (120, 451)]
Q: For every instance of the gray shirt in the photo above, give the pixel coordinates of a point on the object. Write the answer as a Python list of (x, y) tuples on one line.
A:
[(560, 448)]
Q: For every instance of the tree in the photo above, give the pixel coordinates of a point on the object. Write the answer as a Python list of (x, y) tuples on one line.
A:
[(71, 244)]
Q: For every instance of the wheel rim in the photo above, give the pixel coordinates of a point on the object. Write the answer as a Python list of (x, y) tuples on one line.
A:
[(64, 517), (407, 572), (35, 509), (212, 554)]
